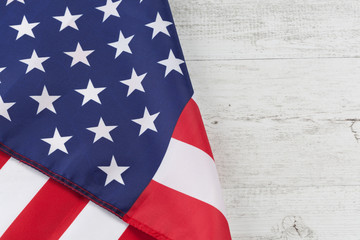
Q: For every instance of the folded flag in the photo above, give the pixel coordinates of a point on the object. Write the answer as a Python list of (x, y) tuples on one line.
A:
[(96, 96)]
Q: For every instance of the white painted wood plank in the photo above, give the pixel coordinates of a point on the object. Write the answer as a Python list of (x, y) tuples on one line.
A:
[(265, 113), (282, 213), (278, 127), (318, 89), (247, 29)]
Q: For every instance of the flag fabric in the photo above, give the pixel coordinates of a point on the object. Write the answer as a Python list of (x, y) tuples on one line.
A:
[(95, 95)]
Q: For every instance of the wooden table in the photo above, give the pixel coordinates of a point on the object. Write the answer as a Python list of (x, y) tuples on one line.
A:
[(278, 84)]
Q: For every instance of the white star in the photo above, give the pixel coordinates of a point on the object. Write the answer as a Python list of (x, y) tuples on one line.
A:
[(102, 131), (79, 55), (172, 63), (159, 26), (134, 82), (113, 172), (68, 20), (2, 69), (109, 9), (90, 93), (57, 142), (34, 62), (147, 121), (45, 101), (10, 1), (24, 28), (122, 44), (4, 108)]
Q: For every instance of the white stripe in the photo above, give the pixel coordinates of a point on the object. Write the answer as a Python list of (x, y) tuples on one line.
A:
[(191, 171), (94, 223), (18, 185)]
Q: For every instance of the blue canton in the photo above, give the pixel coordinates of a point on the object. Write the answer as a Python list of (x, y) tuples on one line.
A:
[(91, 91)]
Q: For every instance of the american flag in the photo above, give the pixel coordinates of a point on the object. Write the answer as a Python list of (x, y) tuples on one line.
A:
[(96, 96)]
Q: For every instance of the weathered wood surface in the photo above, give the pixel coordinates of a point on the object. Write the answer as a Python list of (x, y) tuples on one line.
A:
[(278, 84), (238, 29)]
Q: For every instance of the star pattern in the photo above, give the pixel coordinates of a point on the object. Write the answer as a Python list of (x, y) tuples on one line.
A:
[(110, 9), (113, 172), (159, 26), (147, 121), (102, 131), (79, 55), (122, 44), (90, 93), (57, 142), (4, 107), (68, 20), (34, 62), (25, 28), (93, 88), (172, 64), (45, 101), (134, 83)]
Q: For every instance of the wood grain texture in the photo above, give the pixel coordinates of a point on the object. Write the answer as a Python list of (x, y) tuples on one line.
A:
[(247, 29), (278, 85), (279, 127)]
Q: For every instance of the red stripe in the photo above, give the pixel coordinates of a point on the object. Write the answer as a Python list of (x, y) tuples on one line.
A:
[(3, 158), (190, 128), (48, 214), (174, 215), (132, 233)]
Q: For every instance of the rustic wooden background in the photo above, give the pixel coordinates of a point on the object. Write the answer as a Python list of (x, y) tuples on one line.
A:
[(278, 84)]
